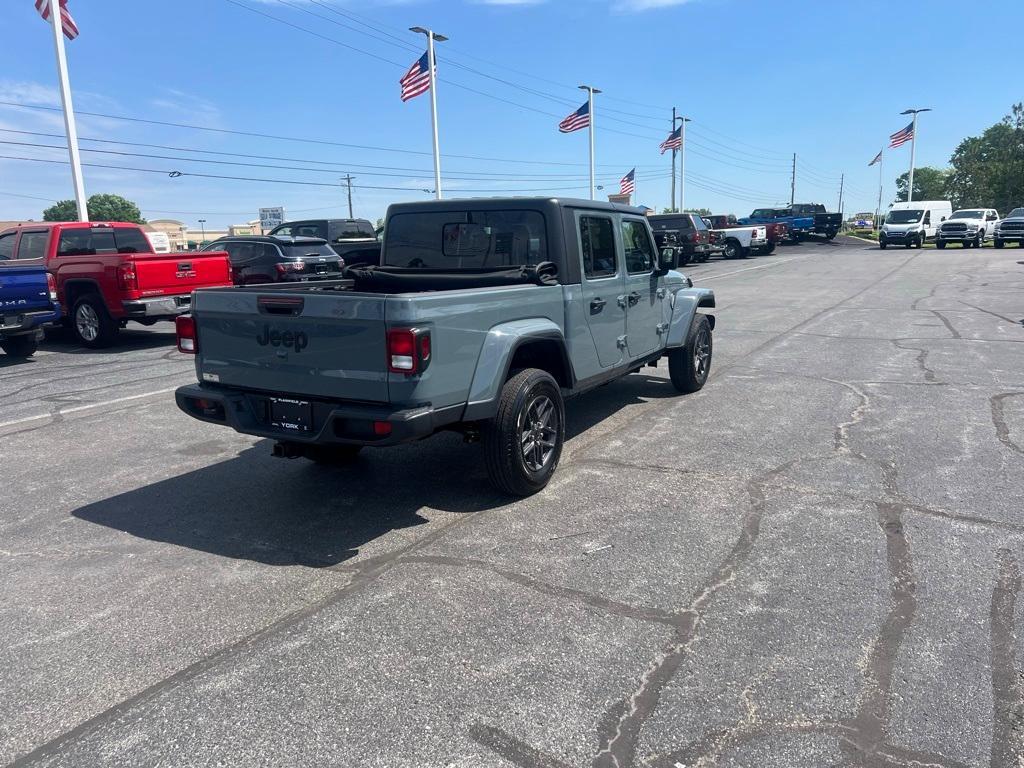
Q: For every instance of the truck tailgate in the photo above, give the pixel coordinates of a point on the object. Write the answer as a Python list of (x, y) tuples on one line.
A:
[(23, 289), (329, 345), (161, 274)]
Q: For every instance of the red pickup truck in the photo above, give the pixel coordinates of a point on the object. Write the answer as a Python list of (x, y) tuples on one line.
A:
[(107, 274), (778, 231)]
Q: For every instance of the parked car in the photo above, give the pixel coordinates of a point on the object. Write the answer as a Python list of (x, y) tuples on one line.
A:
[(1010, 229), (354, 240), (716, 241), (825, 224), (273, 259), (28, 303), (775, 231), (913, 223), (486, 314), (797, 227), (970, 227), (107, 274), (693, 236)]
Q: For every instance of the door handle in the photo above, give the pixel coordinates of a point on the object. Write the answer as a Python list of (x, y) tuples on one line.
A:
[(634, 298), (661, 293), (596, 305)]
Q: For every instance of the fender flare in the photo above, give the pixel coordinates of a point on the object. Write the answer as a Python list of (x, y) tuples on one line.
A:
[(495, 359), (685, 303)]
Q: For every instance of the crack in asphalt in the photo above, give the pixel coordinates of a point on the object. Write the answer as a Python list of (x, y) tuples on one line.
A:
[(999, 419), (920, 360), (1007, 684)]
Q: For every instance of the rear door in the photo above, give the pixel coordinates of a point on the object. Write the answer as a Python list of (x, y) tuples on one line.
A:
[(603, 285), (294, 342), (644, 298)]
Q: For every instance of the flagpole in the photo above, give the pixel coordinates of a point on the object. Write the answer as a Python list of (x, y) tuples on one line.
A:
[(913, 149), (69, 110), (431, 66), (672, 200), (878, 208), (682, 162), (590, 110)]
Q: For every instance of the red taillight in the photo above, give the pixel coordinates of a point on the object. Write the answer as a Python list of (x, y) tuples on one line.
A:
[(382, 428), (695, 237), (290, 266), (408, 350), (185, 328), (51, 286), (127, 280)]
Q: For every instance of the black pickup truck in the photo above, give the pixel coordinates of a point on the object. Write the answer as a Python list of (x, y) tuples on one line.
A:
[(825, 224)]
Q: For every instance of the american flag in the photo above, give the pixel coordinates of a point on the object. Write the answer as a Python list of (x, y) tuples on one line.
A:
[(674, 141), (901, 137), (627, 184), (68, 23), (417, 80), (878, 159), (578, 119)]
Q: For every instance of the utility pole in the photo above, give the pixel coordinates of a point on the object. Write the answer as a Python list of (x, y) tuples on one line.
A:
[(672, 204), (913, 148), (682, 162), (591, 90), (842, 178), (348, 178), (70, 128), (792, 183), (432, 66)]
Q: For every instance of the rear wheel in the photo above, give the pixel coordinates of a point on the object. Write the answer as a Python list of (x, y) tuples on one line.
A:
[(979, 241), (770, 248), (997, 243), (733, 250), (24, 345), (523, 442), (940, 244), (91, 324), (689, 366)]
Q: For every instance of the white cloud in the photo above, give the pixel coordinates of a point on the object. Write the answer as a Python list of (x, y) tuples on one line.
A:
[(639, 6)]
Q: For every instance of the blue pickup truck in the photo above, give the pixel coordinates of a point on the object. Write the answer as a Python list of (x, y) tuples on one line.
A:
[(28, 302), (800, 226)]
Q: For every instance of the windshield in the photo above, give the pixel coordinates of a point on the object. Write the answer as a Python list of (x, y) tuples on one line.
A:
[(1016, 213), (763, 213), (968, 215), (308, 250), (465, 239), (903, 217)]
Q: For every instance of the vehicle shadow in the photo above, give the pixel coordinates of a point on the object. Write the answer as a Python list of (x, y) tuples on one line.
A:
[(280, 512), (6, 361), (128, 340)]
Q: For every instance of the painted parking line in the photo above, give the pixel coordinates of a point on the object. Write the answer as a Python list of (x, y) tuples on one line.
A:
[(751, 269), (87, 407)]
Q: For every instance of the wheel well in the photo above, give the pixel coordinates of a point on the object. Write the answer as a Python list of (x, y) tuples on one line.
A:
[(74, 290), (545, 354)]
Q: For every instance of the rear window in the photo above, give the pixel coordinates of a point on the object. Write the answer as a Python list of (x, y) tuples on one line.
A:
[(348, 230), (89, 242), (298, 250), (465, 239), (671, 222)]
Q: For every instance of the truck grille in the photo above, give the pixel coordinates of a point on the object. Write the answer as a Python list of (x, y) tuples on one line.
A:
[(954, 227), (1012, 226)]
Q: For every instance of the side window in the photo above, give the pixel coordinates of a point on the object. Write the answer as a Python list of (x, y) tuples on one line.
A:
[(268, 254), (307, 230), (597, 239), (33, 245), (992, 216), (927, 217), (131, 240), (285, 231), (7, 246), (637, 246)]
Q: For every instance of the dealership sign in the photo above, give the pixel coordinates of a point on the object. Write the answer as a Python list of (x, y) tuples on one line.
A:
[(270, 218)]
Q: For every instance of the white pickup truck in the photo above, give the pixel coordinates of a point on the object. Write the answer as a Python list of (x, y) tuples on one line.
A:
[(740, 242), (970, 227)]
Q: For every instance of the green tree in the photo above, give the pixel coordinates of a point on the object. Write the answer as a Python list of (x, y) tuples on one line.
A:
[(698, 211), (988, 170), (929, 184), (99, 207)]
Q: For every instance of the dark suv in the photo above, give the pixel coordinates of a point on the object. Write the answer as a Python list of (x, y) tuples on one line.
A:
[(692, 234), (355, 240), (270, 259)]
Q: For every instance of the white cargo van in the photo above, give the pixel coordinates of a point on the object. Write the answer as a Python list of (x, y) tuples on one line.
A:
[(914, 223)]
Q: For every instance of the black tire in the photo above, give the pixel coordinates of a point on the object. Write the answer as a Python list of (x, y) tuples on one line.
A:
[(979, 241), (997, 243), (91, 324), (332, 455), (770, 248), (24, 345), (523, 442), (733, 250), (689, 366), (831, 235), (882, 244), (940, 244), (908, 244), (967, 244)]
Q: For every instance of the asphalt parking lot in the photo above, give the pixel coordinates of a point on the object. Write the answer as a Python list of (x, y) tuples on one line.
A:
[(815, 561)]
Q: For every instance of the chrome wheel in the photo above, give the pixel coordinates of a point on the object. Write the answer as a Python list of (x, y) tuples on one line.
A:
[(87, 322), (538, 432), (702, 353)]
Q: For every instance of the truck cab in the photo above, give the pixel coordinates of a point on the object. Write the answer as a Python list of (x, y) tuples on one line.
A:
[(483, 317)]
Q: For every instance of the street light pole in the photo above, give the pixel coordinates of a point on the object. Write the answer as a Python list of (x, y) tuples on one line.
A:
[(682, 161), (913, 148), (590, 110), (202, 228), (672, 200), (431, 65)]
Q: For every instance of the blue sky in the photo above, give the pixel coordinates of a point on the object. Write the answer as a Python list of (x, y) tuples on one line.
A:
[(760, 81)]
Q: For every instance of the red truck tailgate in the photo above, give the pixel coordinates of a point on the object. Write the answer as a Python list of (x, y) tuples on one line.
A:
[(161, 274)]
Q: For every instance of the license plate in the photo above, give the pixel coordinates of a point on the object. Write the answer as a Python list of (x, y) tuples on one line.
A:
[(296, 415), (13, 320)]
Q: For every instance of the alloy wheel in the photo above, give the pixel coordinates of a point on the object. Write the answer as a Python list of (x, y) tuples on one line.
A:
[(538, 432)]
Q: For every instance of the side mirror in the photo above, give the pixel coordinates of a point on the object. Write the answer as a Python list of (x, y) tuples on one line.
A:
[(943, 218), (668, 259)]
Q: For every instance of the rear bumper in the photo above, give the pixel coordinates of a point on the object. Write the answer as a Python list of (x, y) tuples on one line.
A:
[(17, 323), (334, 423), (157, 307)]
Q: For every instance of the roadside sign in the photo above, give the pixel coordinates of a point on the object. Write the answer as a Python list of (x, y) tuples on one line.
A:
[(270, 218)]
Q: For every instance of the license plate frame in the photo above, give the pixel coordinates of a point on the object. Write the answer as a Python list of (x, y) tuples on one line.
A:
[(293, 415), (12, 321)]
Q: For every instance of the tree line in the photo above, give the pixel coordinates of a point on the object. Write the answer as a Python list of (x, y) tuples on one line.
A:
[(984, 171)]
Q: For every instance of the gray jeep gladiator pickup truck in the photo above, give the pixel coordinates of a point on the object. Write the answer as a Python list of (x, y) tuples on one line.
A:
[(483, 316)]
